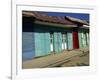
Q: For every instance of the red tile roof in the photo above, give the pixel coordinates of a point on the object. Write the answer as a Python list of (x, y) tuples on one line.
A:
[(53, 19)]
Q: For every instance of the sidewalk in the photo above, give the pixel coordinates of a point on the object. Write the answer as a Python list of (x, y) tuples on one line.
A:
[(53, 59)]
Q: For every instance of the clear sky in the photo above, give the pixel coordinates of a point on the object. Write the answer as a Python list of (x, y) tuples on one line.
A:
[(83, 16)]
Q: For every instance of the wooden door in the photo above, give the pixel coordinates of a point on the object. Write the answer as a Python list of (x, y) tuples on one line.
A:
[(75, 40)]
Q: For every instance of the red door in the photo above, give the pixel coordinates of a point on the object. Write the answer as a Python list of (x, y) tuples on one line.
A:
[(75, 40)]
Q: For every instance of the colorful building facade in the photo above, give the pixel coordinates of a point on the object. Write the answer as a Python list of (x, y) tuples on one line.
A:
[(43, 35)]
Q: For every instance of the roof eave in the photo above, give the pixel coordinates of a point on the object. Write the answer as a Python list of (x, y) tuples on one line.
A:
[(56, 25)]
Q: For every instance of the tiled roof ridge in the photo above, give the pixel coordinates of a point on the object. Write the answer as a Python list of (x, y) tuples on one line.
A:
[(77, 20)]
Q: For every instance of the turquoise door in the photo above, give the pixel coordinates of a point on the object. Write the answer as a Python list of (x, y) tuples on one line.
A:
[(70, 41), (84, 39), (80, 39), (38, 44), (42, 43), (47, 43), (57, 42)]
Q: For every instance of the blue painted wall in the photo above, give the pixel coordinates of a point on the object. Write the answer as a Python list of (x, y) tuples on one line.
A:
[(28, 48)]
